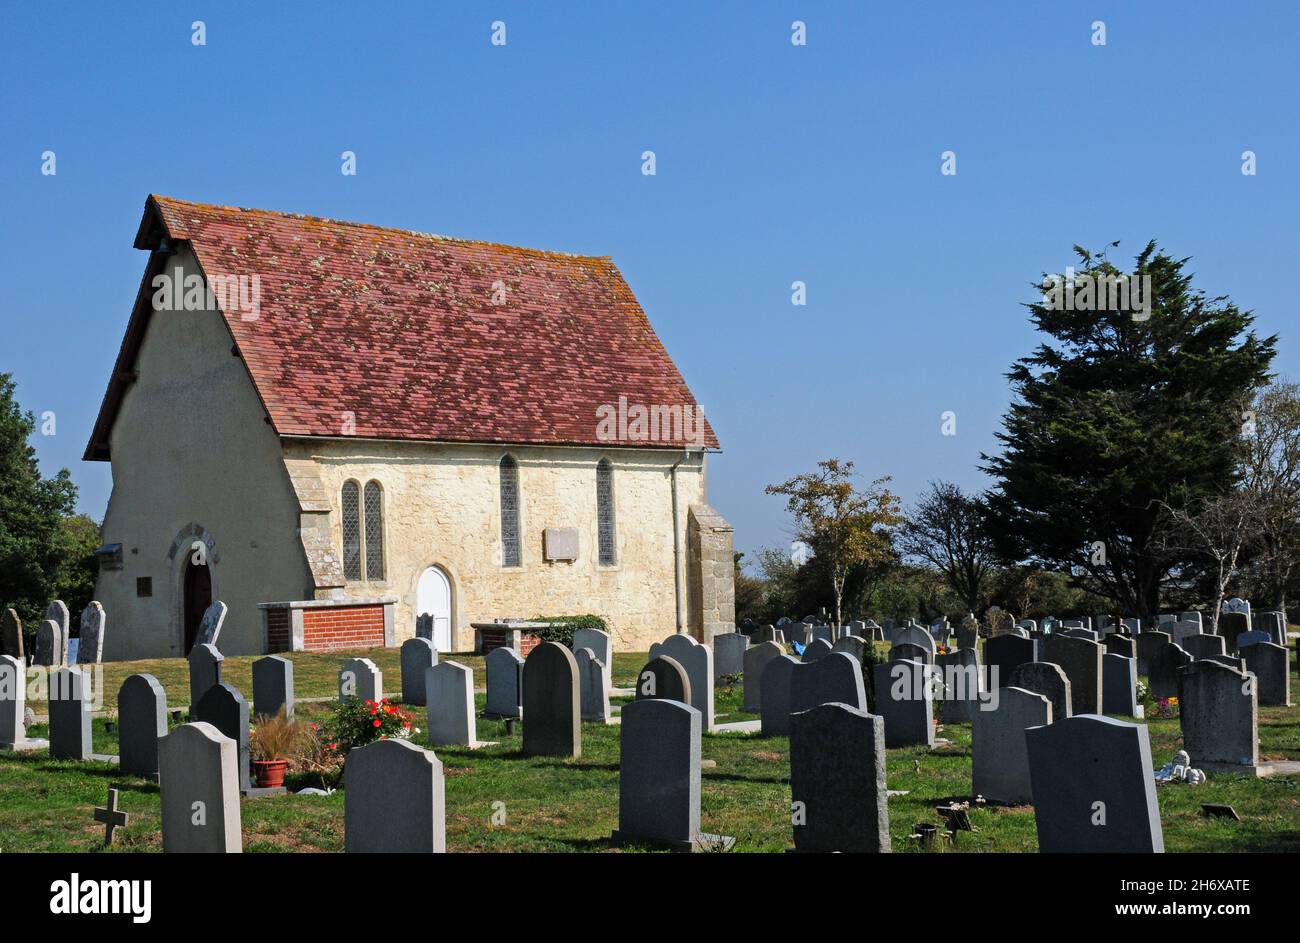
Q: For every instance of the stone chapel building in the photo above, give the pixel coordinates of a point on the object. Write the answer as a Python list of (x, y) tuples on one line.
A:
[(367, 425)]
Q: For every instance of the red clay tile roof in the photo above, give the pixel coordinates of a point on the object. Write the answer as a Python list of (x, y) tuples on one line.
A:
[(398, 328)]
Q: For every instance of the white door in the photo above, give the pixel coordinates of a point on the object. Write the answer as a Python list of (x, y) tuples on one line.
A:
[(433, 598)]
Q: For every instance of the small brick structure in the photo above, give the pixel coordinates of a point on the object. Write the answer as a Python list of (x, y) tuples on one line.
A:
[(521, 636), (325, 625)]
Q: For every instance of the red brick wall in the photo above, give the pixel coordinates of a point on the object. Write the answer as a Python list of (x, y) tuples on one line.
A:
[(277, 630), (491, 638), (328, 629)]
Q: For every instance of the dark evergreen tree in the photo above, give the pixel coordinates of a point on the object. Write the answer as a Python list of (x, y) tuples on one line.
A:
[(1115, 413)]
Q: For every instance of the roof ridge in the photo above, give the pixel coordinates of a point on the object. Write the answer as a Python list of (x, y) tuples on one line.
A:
[(279, 214)]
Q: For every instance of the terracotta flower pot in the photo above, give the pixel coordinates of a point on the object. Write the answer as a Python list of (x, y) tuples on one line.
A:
[(270, 773)]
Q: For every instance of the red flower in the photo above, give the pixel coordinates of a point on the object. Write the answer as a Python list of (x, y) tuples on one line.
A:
[(378, 722)]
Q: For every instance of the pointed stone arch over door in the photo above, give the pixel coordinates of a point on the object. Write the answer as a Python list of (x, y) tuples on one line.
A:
[(433, 601)]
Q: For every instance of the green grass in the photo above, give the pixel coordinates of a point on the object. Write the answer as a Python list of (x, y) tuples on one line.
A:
[(572, 805)]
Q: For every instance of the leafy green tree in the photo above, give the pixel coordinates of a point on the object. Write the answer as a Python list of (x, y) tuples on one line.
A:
[(946, 530), (845, 526), (32, 509), (74, 582), (1116, 415)]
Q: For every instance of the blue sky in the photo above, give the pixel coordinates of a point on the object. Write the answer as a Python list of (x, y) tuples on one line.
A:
[(775, 163)]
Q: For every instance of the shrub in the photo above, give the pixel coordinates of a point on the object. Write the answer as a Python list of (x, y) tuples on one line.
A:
[(562, 628), (356, 723)]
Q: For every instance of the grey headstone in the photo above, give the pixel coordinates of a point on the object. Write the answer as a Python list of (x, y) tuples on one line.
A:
[(1179, 632), (664, 679), (449, 696), (90, 650), (1117, 644), (1119, 685), (800, 632), (1000, 760), (852, 645), (70, 696), (1078, 762), (1004, 653), (1166, 665), (13, 696), (225, 709), (214, 617), (963, 680), (393, 799), (1081, 660), (837, 780), (968, 632), (1231, 661), (424, 626), (756, 659), (49, 644), (505, 675), (1203, 645), (1082, 633), (57, 612), (659, 773), (205, 672), (817, 648), (418, 655), (1048, 679), (1236, 605), (362, 679), (1274, 623), (198, 781), (903, 690), (273, 686), (1218, 711), (835, 678), (11, 636), (697, 659), (141, 720), (1132, 626), (592, 690), (1250, 638), (1271, 666), (1192, 617), (912, 635), (765, 633), (552, 702), (906, 651), (823, 633), (729, 654), (1232, 624), (1148, 644), (774, 705), (601, 645)]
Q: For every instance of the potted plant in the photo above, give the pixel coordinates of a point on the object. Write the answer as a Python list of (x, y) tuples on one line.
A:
[(274, 740)]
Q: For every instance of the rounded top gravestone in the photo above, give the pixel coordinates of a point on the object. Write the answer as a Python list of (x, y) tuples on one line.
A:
[(393, 799), (663, 678), (552, 702)]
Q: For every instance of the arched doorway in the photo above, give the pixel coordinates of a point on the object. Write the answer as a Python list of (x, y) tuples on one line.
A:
[(197, 589), (433, 599)]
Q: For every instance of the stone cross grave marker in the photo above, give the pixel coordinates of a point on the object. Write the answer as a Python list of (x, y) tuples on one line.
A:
[(111, 817)]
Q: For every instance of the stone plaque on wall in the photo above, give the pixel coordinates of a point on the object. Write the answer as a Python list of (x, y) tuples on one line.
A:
[(561, 543)]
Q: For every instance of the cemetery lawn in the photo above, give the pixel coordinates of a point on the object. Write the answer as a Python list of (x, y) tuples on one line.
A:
[(556, 805)]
